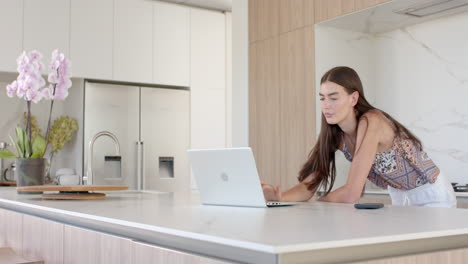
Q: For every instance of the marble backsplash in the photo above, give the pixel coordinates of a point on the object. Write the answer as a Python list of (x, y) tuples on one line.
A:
[(419, 75)]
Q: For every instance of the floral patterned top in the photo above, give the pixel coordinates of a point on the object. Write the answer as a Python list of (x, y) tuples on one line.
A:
[(403, 167)]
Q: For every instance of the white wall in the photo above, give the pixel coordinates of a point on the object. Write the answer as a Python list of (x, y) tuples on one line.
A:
[(417, 74), (229, 128), (240, 73), (337, 47)]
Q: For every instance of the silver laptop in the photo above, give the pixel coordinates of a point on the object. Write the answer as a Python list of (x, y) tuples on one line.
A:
[(229, 176)]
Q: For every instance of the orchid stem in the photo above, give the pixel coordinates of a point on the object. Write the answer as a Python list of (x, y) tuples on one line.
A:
[(28, 124), (50, 117)]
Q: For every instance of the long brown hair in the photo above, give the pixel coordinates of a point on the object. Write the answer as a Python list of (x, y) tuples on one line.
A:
[(321, 160)]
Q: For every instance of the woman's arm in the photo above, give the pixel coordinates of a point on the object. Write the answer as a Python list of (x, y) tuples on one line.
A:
[(368, 138), (298, 193)]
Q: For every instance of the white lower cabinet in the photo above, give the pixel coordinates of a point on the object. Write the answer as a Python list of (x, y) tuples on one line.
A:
[(86, 246), (42, 240), (146, 254), (12, 230), (53, 242)]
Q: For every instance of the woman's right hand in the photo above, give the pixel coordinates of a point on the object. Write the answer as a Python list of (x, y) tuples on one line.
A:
[(271, 193)]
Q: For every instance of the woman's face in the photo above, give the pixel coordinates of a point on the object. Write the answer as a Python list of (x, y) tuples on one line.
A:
[(336, 104)]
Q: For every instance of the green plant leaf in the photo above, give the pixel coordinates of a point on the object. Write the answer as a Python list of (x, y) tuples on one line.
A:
[(16, 146), (27, 145), (6, 154), (20, 135), (23, 142), (39, 147)]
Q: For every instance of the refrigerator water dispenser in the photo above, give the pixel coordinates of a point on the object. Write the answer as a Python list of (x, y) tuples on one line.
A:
[(166, 167), (113, 167)]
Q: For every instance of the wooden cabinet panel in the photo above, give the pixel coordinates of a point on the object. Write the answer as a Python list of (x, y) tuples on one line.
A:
[(320, 10), (363, 4), (347, 6), (292, 105), (11, 28), (309, 14), (171, 44), (46, 27), (309, 93), (91, 37), (291, 15), (329, 9), (334, 8), (263, 19), (264, 101), (252, 17), (42, 239), (145, 253), (382, 1)]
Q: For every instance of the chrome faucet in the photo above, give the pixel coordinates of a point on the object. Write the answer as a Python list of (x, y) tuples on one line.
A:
[(89, 175), (3, 146)]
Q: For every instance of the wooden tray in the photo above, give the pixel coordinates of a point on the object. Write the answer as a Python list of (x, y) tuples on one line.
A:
[(72, 192), (7, 183)]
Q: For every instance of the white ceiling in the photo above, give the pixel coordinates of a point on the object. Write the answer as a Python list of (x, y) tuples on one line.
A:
[(222, 5)]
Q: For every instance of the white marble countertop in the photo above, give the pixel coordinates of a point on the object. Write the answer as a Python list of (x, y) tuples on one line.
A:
[(323, 232)]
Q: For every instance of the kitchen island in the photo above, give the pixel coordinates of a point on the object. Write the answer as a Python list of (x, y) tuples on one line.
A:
[(314, 232)]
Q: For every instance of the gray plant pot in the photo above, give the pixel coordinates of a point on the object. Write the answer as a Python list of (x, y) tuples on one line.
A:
[(30, 172)]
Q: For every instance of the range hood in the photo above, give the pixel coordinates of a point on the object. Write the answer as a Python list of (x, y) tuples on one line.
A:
[(431, 8), (396, 14), (221, 5)]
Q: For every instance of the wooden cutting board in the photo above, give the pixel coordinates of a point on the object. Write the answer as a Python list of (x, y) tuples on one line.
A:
[(7, 183), (72, 192)]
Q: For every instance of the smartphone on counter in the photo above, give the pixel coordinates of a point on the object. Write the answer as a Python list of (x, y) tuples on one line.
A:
[(368, 205)]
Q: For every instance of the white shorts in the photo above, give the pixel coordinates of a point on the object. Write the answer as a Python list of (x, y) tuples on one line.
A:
[(438, 194)]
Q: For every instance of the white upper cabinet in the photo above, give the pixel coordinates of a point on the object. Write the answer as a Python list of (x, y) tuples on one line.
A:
[(207, 79), (11, 30), (46, 27), (171, 44), (91, 32), (133, 41)]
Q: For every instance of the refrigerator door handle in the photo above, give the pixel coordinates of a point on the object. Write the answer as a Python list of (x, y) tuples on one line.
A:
[(139, 165), (142, 165)]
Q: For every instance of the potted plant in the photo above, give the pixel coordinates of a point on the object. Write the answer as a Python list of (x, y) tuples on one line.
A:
[(60, 133), (31, 86)]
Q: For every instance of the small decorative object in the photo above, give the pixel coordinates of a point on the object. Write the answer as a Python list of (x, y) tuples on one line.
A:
[(31, 87), (60, 133)]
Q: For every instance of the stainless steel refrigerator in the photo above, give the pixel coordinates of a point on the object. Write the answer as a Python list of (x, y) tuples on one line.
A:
[(152, 126)]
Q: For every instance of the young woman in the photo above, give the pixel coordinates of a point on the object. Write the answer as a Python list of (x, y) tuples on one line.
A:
[(379, 148)]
